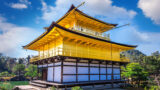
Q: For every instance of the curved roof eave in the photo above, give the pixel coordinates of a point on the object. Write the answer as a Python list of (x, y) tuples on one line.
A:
[(63, 28), (72, 7), (54, 24)]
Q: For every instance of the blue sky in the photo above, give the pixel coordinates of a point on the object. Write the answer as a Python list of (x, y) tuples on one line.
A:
[(21, 21)]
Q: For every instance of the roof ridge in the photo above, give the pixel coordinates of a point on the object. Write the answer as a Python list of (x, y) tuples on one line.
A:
[(72, 7)]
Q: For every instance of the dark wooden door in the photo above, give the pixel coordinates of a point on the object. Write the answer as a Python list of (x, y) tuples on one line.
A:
[(44, 74)]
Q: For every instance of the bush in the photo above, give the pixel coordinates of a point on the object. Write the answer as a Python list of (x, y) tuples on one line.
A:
[(32, 71), (152, 88), (53, 88), (4, 74), (19, 78), (76, 88), (3, 88)]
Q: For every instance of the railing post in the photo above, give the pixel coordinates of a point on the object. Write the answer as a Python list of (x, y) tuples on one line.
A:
[(58, 50), (70, 52)]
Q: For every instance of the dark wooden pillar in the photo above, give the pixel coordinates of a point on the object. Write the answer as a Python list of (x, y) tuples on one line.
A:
[(62, 60), (99, 70), (112, 76), (47, 69), (77, 70), (106, 70), (37, 68), (89, 69), (53, 67), (120, 70)]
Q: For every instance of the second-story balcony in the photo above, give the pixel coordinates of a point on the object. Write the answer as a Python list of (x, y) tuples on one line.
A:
[(92, 33), (75, 53)]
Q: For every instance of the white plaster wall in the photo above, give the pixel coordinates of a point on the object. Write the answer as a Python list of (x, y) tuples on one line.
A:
[(51, 64), (103, 65), (69, 63), (69, 78), (83, 78), (69, 70), (57, 74), (50, 74), (58, 63), (109, 77), (109, 70), (109, 65), (116, 71), (94, 77), (82, 64), (40, 66), (116, 66), (94, 65), (94, 70), (116, 77), (102, 70), (45, 65), (82, 70), (102, 77)]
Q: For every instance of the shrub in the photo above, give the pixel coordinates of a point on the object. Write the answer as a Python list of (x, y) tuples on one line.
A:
[(76, 88), (53, 88), (4, 74), (3, 88), (31, 71)]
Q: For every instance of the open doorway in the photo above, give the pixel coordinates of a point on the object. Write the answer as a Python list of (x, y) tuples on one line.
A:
[(44, 74)]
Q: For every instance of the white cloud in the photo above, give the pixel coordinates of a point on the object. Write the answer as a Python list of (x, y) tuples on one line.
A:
[(150, 9), (13, 37), (91, 7), (147, 42), (18, 6), (22, 4), (24, 1)]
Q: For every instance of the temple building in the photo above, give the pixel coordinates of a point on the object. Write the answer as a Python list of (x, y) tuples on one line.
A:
[(75, 51)]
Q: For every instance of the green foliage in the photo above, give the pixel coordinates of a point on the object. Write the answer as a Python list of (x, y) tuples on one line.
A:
[(8, 63), (31, 71), (153, 87), (76, 88), (10, 84), (4, 74), (52, 88), (19, 68), (3, 88), (151, 64), (135, 72)]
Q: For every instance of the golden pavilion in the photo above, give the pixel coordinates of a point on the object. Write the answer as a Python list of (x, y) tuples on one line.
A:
[(75, 51)]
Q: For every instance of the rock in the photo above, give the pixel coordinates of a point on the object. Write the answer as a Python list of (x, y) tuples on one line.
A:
[(16, 88), (28, 87)]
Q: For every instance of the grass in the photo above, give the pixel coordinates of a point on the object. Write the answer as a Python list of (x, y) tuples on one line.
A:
[(10, 84)]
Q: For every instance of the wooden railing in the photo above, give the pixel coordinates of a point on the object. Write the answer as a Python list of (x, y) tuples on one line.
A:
[(75, 53), (103, 36)]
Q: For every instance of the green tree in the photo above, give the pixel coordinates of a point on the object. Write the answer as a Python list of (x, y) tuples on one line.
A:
[(135, 72), (28, 59), (152, 65), (31, 71), (19, 69), (2, 63), (4, 74)]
